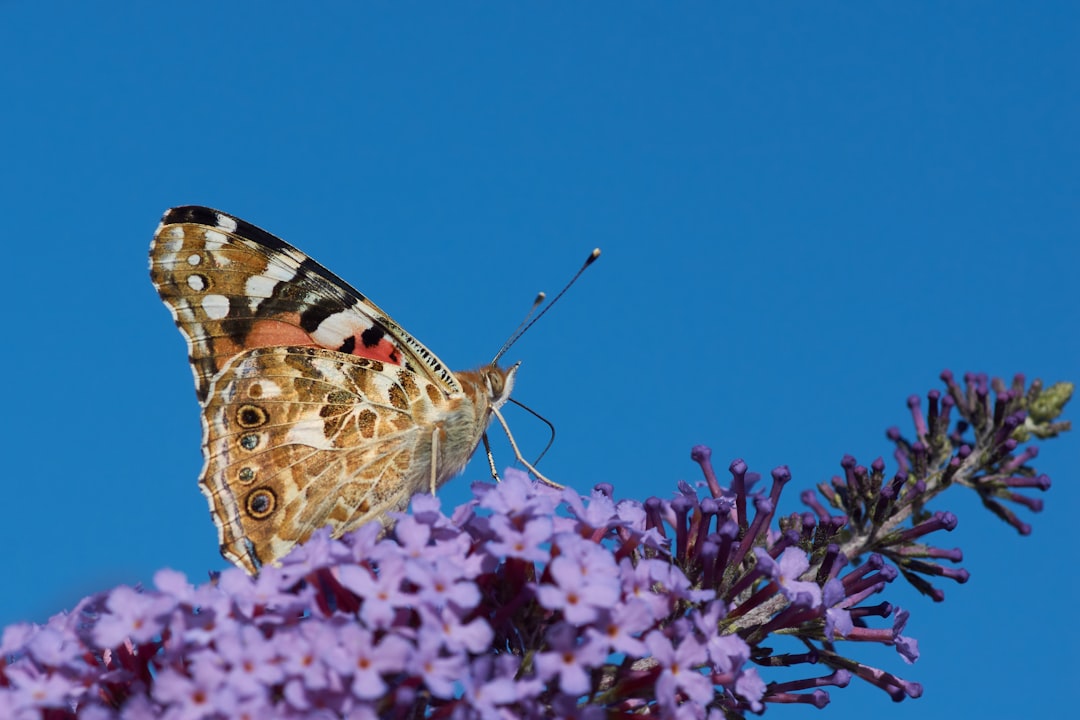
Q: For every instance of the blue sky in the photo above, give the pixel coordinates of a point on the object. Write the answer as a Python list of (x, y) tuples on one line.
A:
[(806, 213)]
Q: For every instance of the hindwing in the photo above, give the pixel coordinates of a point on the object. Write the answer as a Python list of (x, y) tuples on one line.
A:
[(297, 438)]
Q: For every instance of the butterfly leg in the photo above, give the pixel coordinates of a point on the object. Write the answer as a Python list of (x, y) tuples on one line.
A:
[(517, 453), (490, 457), (434, 458)]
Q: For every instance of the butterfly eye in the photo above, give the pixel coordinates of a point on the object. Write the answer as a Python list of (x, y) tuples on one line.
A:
[(495, 381)]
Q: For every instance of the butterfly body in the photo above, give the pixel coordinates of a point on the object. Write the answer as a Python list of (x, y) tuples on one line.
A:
[(317, 409)]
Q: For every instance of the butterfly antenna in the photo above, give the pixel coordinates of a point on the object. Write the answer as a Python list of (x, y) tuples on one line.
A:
[(542, 419), (517, 332), (526, 323)]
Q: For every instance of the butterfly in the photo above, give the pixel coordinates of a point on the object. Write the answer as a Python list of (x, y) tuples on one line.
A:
[(317, 408)]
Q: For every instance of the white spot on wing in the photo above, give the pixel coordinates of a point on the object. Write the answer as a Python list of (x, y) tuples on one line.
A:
[(215, 306), (194, 259), (196, 283), (269, 389), (182, 311), (310, 432), (214, 240), (226, 223), (258, 287), (171, 241), (335, 328), (262, 286), (294, 254), (279, 272)]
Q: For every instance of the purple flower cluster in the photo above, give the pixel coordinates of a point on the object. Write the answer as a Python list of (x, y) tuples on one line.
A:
[(534, 602)]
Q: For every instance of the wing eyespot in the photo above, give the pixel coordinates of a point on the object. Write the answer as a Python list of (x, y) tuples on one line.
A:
[(261, 503), (251, 416)]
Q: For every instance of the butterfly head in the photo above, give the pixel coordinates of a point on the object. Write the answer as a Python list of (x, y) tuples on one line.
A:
[(499, 382)]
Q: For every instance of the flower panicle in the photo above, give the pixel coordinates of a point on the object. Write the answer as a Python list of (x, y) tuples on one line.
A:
[(533, 602), (798, 580)]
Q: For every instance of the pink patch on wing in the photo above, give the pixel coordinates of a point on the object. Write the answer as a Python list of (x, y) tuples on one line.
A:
[(385, 351), (275, 333)]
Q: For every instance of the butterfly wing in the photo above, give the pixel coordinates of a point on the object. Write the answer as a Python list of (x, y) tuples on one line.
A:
[(298, 438), (317, 408), (231, 287)]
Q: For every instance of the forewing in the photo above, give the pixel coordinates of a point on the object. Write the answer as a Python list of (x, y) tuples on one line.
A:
[(232, 287)]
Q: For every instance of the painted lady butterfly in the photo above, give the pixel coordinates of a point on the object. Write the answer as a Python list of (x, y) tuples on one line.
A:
[(317, 408)]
